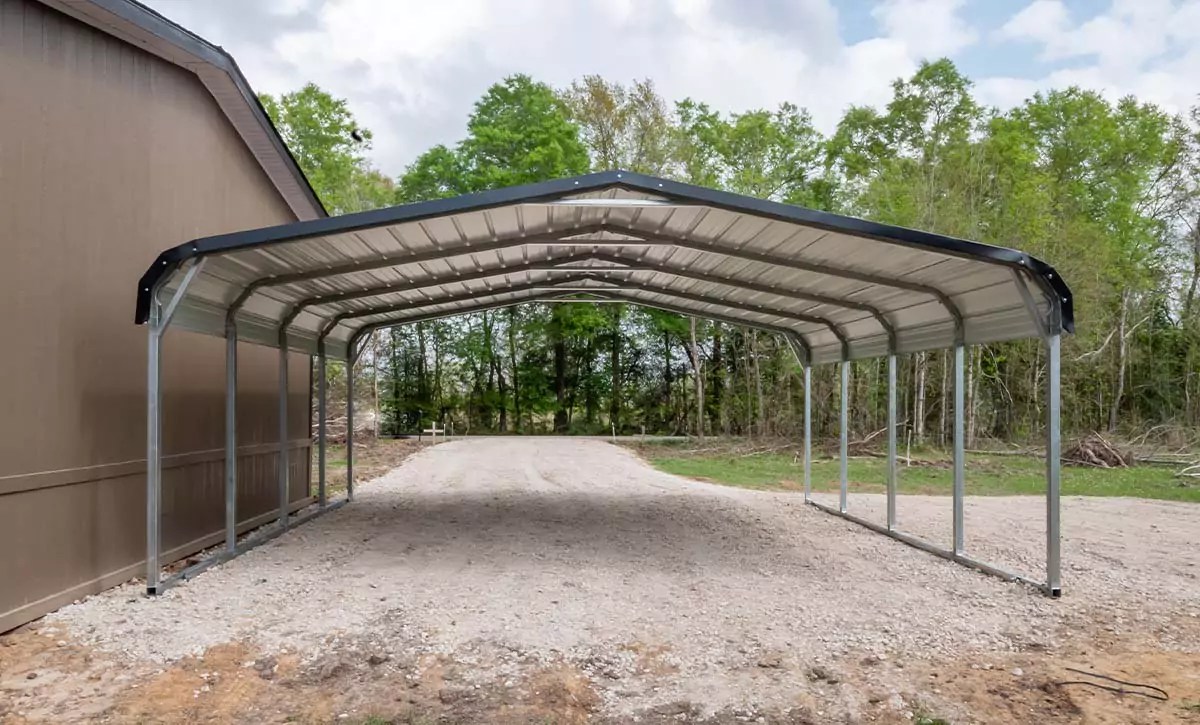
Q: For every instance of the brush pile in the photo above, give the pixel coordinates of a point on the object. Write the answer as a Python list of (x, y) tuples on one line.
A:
[(1096, 451)]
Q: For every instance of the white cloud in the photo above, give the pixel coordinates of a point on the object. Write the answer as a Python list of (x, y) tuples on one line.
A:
[(411, 69), (1128, 34), (1146, 48), (928, 28), (1041, 20)]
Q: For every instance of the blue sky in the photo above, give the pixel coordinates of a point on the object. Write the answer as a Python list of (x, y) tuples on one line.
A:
[(412, 68)]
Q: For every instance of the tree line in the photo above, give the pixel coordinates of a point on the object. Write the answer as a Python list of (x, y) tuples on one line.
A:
[(1108, 192)]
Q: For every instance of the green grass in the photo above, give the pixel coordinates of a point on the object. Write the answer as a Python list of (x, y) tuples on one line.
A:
[(986, 475)]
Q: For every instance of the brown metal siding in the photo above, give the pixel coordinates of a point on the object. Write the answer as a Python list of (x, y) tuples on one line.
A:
[(107, 156)]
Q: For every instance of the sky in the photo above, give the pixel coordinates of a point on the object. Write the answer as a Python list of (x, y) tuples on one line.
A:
[(411, 69)]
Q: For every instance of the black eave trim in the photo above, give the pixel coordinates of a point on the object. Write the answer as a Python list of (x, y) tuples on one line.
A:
[(167, 261)]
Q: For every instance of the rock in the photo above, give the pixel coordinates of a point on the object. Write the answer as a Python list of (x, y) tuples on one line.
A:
[(31, 676), (1017, 672), (377, 659), (676, 710), (818, 673), (265, 667), (449, 697)]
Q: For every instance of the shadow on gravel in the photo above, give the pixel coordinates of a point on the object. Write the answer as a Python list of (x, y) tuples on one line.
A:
[(664, 530)]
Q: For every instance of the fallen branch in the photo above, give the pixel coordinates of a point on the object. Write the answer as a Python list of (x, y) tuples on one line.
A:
[(1192, 471), (1095, 450), (1028, 452)]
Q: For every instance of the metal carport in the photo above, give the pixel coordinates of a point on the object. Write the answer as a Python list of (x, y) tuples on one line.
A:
[(837, 288)]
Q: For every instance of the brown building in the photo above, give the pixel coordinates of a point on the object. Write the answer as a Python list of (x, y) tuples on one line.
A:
[(122, 134)]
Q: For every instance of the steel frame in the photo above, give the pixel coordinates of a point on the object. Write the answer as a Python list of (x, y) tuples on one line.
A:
[(159, 316), (159, 321), (1051, 328)]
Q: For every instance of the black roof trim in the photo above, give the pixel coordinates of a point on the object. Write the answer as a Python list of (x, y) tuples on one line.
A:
[(159, 25), (1049, 279)]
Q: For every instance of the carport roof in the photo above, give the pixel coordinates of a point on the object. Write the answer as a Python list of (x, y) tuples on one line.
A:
[(846, 287)]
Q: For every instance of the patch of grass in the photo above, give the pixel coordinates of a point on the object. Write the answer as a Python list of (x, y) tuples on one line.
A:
[(986, 475)]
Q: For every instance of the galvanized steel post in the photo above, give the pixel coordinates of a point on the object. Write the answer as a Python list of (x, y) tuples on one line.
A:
[(959, 451), (159, 319), (1053, 466), (844, 448), (350, 423), (321, 423), (808, 432), (153, 445), (231, 352), (891, 440), (284, 458)]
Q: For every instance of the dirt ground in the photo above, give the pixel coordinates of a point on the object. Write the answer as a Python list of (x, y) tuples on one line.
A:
[(564, 581)]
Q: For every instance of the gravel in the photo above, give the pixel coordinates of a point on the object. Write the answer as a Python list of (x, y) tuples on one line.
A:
[(496, 552)]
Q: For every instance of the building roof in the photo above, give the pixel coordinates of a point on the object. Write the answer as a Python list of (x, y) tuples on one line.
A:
[(140, 26), (842, 288)]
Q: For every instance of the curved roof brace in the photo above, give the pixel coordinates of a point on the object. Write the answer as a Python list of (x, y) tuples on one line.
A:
[(572, 297), (628, 265), (572, 238), (368, 329), (592, 277), (390, 261), (701, 299), (604, 296), (800, 349), (941, 296), (1031, 306), (542, 266), (396, 260), (875, 312), (169, 312)]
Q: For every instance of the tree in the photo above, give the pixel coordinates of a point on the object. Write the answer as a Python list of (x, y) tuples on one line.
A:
[(623, 128), (774, 155), (518, 133), (330, 146)]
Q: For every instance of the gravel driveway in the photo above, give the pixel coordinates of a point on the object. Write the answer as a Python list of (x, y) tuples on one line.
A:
[(496, 552)]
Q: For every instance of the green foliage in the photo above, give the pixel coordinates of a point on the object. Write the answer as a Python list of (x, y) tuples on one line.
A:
[(623, 128), (519, 133), (330, 147), (768, 154)]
